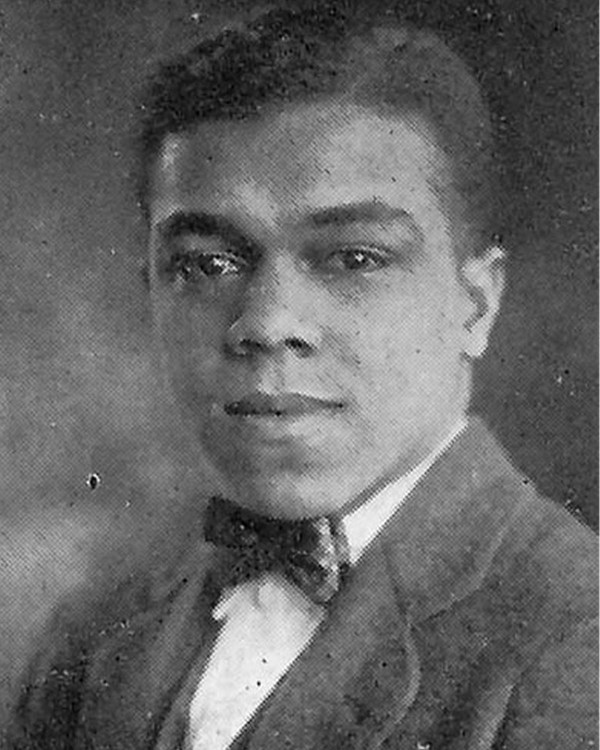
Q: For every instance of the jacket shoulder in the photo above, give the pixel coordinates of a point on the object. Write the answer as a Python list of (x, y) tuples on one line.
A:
[(549, 556)]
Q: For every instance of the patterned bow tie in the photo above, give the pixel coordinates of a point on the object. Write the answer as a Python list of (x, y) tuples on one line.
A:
[(313, 553)]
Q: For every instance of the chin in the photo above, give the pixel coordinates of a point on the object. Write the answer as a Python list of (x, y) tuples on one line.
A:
[(285, 497)]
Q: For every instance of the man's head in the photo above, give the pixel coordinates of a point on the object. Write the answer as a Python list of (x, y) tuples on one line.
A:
[(319, 201)]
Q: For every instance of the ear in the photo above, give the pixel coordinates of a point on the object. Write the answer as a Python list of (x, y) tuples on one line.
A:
[(483, 277)]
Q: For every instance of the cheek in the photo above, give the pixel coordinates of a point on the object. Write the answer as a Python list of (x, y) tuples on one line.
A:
[(411, 338)]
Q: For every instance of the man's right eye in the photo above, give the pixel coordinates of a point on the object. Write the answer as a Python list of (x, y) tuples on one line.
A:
[(195, 266)]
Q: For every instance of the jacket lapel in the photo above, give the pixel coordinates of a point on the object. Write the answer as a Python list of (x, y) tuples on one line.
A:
[(138, 674), (359, 673), (441, 541)]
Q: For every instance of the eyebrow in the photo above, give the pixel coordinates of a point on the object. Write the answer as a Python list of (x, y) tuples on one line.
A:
[(371, 211), (201, 223)]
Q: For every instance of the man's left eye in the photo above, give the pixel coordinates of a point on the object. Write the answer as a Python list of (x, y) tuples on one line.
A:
[(356, 259)]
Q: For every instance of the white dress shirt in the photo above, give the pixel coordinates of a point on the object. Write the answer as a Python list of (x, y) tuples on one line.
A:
[(269, 621)]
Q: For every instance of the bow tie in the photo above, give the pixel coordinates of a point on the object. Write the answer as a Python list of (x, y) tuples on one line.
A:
[(313, 553)]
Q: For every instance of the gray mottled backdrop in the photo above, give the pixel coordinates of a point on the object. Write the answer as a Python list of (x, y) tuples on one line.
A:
[(76, 390)]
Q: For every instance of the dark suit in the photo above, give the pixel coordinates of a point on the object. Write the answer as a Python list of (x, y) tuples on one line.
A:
[(468, 623)]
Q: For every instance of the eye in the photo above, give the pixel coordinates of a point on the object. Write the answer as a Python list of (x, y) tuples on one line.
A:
[(194, 266), (363, 259)]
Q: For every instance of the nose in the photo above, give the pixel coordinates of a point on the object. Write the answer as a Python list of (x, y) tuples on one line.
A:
[(276, 314)]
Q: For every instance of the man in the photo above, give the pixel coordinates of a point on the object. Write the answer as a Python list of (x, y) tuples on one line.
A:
[(319, 190)]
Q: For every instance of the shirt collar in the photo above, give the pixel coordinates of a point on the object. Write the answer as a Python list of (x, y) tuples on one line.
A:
[(363, 524)]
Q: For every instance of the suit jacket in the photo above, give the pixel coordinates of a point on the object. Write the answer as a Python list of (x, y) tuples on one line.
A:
[(467, 625)]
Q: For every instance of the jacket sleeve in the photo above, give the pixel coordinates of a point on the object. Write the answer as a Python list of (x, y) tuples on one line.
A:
[(555, 704), (46, 710)]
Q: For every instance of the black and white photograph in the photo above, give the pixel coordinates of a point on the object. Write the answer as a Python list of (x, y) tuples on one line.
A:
[(298, 375)]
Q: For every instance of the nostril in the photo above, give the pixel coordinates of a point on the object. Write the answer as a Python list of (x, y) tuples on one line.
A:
[(250, 346), (299, 346)]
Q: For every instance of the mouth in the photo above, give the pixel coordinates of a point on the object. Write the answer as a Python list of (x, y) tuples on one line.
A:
[(282, 406)]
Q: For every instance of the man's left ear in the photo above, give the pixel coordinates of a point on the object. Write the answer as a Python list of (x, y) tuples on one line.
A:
[(483, 277)]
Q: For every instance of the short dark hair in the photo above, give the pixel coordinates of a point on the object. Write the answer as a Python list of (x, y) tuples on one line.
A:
[(286, 56)]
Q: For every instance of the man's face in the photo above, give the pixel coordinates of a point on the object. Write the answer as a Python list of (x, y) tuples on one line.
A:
[(307, 301)]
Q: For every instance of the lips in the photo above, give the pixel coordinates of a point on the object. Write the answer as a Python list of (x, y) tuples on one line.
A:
[(280, 405)]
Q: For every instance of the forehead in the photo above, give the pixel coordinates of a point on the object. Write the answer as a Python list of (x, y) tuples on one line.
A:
[(295, 159)]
